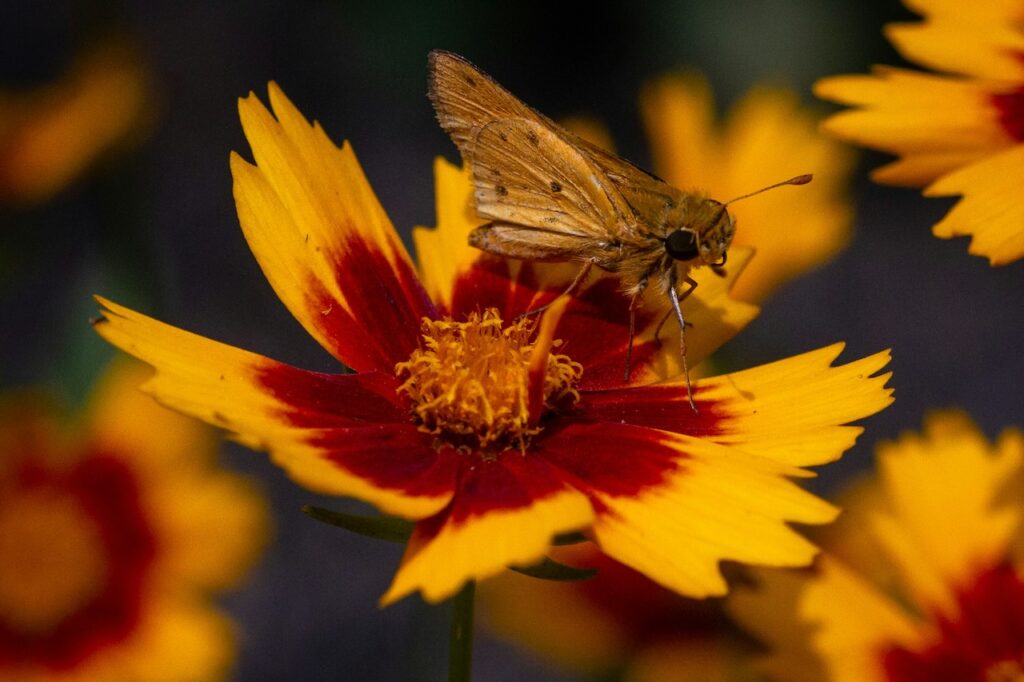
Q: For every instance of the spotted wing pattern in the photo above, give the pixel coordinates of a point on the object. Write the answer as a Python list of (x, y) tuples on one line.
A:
[(537, 187)]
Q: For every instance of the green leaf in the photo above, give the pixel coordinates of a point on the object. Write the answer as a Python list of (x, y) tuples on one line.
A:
[(380, 527), (549, 569)]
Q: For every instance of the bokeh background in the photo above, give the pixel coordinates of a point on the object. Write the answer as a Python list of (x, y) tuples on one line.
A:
[(156, 229)]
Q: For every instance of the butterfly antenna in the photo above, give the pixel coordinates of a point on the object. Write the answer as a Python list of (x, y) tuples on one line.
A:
[(798, 180)]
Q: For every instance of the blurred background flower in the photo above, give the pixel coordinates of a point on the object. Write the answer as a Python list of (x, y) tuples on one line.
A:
[(115, 529), (616, 625), (958, 132), (53, 134), (156, 229), (920, 581)]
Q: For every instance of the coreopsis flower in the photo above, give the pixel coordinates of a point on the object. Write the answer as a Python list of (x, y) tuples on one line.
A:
[(49, 137), (767, 137), (114, 532), (920, 581), (958, 130), (492, 431)]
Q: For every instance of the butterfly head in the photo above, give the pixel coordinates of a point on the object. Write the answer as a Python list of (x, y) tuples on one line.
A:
[(710, 233), (707, 243)]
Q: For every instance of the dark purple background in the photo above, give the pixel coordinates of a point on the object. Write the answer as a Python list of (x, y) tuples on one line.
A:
[(159, 231)]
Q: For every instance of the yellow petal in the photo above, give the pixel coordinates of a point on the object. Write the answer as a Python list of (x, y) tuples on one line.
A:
[(210, 535), (221, 385), (179, 639), (945, 484), (679, 116), (322, 238), (480, 535), (905, 112), (841, 623), (127, 420), (722, 504), (978, 39), (991, 210), (792, 229), (590, 129), (444, 252), (944, 507), (212, 528), (921, 168), (770, 610), (847, 541), (795, 410), (854, 621)]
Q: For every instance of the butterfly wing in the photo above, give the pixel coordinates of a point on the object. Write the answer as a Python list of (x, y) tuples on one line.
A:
[(525, 243), (466, 99), (650, 198), (527, 174)]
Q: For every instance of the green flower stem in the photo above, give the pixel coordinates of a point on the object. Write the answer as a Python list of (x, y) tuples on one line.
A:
[(460, 645)]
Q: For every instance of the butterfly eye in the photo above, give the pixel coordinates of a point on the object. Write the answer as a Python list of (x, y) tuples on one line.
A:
[(682, 245)]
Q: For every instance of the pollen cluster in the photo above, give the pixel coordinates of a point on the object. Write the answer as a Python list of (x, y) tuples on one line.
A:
[(470, 381)]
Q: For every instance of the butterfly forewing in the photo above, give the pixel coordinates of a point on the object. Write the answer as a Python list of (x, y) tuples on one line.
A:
[(466, 99), (526, 174)]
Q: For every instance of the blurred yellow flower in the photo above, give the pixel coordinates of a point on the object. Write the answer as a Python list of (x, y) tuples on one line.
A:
[(919, 582), (50, 137), (767, 137), (113, 531), (958, 131), (618, 622)]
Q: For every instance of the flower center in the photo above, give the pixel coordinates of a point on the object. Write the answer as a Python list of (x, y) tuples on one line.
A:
[(475, 382), (51, 559)]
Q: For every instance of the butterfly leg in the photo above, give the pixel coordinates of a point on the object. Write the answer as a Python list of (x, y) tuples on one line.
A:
[(668, 313), (676, 299), (634, 303), (576, 282), (664, 319)]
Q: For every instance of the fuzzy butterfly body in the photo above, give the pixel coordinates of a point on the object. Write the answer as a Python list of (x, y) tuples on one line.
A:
[(551, 196)]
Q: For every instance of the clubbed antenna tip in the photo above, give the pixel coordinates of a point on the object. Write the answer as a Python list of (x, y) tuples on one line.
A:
[(798, 180)]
